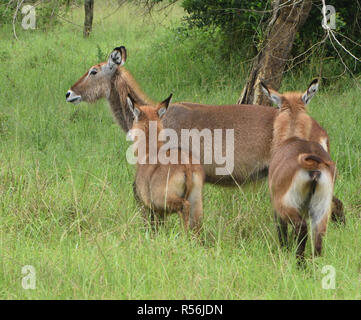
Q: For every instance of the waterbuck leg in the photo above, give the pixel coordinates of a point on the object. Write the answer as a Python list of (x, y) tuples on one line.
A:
[(185, 214), (148, 217), (196, 213), (196, 210), (147, 214), (152, 219), (282, 229), (157, 220), (180, 206), (301, 239), (337, 213), (319, 231), (318, 243)]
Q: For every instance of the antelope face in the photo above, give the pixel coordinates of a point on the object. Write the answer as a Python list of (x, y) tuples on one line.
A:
[(96, 82), (143, 115), (93, 85)]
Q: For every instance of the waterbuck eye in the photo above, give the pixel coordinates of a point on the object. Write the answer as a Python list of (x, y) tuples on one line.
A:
[(93, 71)]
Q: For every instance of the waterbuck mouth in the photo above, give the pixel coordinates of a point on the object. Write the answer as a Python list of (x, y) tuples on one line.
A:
[(72, 97), (75, 100)]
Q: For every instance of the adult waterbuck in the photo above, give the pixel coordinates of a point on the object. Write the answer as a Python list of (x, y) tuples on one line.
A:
[(301, 172), (252, 125)]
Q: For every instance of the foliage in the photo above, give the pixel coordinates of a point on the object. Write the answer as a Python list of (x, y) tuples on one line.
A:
[(242, 23), (348, 23), (234, 23)]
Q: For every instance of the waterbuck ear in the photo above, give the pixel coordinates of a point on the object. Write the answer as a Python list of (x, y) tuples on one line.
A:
[(118, 56), (310, 92), (163, 106), (133, 109), (273, 95)]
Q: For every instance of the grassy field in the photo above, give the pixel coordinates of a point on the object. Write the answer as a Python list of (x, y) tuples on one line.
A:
[(66, 202)]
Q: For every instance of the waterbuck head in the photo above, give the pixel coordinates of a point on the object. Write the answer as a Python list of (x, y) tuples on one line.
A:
[(293, 120), (143, 115), (96, 82), (296, 101)]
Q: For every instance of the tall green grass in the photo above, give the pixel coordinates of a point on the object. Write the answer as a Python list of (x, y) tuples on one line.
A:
[(66, 203)]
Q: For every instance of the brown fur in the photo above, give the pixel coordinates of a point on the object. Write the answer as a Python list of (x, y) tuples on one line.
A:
[(295, 169), (164, 189)]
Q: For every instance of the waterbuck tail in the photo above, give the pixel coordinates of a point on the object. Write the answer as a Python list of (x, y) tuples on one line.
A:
[(310, 161)]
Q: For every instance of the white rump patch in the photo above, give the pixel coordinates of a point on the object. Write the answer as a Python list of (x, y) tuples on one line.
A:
[(320, 202), (322, 198), (297, 193)]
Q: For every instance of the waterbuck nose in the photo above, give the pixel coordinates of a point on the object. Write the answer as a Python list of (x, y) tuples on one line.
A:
[(67, 94)]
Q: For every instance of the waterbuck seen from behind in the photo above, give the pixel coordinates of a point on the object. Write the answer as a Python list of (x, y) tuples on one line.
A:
[(301, 172)]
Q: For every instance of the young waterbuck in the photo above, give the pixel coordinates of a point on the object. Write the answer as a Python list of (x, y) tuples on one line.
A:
[(252, 125), (301, 172), (164, 188)]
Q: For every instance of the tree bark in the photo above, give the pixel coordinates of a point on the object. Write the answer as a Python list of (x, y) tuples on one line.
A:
[(88, 21), (271, 60)]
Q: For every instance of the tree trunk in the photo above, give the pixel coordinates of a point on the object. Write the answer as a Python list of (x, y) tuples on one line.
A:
[(88, 21), (271, 60)]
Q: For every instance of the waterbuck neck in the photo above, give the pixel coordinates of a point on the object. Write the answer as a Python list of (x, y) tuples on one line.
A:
[(123, 85), (292, 121)]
